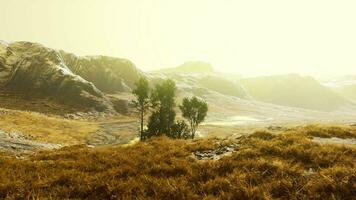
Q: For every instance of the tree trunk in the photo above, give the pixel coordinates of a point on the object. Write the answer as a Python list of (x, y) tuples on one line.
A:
[(141, 129), (192, 129)]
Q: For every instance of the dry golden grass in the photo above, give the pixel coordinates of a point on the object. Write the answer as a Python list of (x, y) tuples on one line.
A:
[(36, 102), (46, 129), (330, 131), (266, 166)]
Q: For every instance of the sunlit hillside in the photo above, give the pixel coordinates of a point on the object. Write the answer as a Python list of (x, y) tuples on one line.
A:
[(290, 165), (203, 99)]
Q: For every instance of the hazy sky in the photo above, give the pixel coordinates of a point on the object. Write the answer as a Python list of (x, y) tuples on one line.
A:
[(250, 37)]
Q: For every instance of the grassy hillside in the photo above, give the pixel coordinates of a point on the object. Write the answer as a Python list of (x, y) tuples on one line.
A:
[(263, 166), (40, 127), (32, 101)]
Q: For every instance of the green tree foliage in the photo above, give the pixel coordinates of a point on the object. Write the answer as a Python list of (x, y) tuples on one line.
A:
[(195, 111), (162, 119), (142, 94), (180, 129), (163, 103)]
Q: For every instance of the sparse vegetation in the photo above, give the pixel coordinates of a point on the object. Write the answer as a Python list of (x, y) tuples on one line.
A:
[(264, 166)]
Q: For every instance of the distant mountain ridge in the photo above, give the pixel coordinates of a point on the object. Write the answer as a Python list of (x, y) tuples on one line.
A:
[(200, 78), (344, 86), (294, 90), (191, 67), (291, 90)]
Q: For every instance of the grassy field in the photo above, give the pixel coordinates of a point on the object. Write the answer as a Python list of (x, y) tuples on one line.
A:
[(264, 166), (35, 102), (40, 127), (345, 132)]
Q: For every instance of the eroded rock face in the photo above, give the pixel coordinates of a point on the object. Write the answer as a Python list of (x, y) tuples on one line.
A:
[(109, 74), (8, 61), (31, 67)]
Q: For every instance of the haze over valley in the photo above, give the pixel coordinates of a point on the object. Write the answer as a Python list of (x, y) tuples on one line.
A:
[(41, 79), (184, 99)]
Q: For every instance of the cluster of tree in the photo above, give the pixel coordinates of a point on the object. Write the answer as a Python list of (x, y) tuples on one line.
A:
[(160, 102)]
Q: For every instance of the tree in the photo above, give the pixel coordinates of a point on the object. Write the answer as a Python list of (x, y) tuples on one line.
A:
[(195, 111), (163, 103), (180, 129), (142, 94)]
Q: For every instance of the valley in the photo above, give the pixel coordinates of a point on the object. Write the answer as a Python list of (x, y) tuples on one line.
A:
[(75, 116), (177, 100), (43, 86)]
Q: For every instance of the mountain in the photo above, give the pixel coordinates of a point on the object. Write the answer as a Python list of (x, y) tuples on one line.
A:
[(200, 78), (80, 81), (191, 67), (294, 90), (102, 83), (223, 86), (108, 74)]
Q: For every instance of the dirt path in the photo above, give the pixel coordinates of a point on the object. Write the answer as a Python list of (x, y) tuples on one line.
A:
[(114, 132), (17, 142)]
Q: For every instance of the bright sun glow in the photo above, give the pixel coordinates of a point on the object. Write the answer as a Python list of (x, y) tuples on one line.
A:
[(254, 37)]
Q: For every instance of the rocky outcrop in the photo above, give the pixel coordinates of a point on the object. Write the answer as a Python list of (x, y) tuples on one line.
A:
[(109, 74), (8, 63), (30, 67)]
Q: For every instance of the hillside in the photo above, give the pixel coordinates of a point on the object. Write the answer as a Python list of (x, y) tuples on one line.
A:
[(290, 165), (294, 90), (199, 78), (108, 74), (223, 86), (32, 71), (254, 143), (37, 71)]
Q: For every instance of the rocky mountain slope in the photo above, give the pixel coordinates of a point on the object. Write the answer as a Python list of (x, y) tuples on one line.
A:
[(32, 68), (36, 71), (108, 74)]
